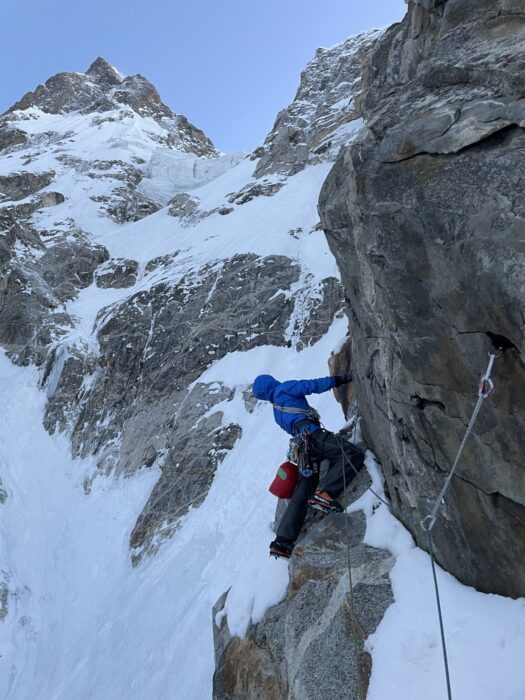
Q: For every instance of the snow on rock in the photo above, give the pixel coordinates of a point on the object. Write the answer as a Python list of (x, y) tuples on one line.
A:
[(325, 113), (125, 309), (484, 633), (308, 645), (101, 89)]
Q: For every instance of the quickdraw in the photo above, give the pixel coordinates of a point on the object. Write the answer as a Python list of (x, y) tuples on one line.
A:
[(299, 452)]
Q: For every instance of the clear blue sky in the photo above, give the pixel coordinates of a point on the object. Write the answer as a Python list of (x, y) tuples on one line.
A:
[(228, 65)]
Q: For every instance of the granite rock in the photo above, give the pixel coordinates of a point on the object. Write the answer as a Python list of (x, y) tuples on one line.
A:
[(325, 111), (101, 89), (16, 186), (182, 205), (424, 213), (37, 276), (311, 645)]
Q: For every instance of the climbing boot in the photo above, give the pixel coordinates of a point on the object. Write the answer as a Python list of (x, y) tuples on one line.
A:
[(280, 549), (324, 505)]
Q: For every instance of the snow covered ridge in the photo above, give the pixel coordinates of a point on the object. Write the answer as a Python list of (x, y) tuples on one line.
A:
[(325, 113), (88, 157), (103, 89)]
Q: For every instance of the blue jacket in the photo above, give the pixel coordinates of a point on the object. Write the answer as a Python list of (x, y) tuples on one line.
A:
[(290, 394)]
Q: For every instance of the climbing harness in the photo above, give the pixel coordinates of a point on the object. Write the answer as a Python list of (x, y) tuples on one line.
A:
[(486, 387), (299, 451), (310, 413)]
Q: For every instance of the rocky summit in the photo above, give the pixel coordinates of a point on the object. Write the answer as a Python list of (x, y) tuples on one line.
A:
[(325, 112), (101, 89), (146, 279)]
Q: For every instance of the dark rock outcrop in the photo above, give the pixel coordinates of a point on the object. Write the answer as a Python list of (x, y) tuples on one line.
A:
[(134, 409), (11, 137), (36, 277), (43, 200), (151, 349), (324, 305), (4, 595), (181, 205), (425, 215), (310, 645), (125, 202), (21, 185), (117, 273), (340, 363), (265, 188), (198, 443)]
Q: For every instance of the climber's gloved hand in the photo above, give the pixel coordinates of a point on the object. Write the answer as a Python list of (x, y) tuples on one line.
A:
[(343, 378)]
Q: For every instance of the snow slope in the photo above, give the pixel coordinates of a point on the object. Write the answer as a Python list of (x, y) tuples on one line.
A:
[(485, 634), (83, 622)]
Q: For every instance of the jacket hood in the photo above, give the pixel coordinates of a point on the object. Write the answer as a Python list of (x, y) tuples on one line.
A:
[(264, 386)]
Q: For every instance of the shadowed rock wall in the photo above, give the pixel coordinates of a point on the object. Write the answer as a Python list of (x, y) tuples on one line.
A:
[(425, 214)]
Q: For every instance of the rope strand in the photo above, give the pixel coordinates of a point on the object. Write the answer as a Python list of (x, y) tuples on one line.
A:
[(358, 632), (485, 389), (440, 615)]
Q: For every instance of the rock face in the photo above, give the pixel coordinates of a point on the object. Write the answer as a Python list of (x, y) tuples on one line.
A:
[(117, 273), (181, 205), (325, 110), (124, 203), (310, 645), (21, 185), (37, 276), (197, 445), (100, 89), (129, 404), (425, 215)]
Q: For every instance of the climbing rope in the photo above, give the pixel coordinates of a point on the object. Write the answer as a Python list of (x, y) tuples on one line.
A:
[(359, 633), (358, 630), (486, 387), (440, 615)]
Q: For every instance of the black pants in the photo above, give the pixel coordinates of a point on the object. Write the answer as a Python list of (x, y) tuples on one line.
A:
[(324, 445)]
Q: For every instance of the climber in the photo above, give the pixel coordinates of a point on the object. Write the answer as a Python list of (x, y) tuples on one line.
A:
[(293, 414)]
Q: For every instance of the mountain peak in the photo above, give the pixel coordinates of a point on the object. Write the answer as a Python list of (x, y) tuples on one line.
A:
[(104, 72), (102, 88)]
